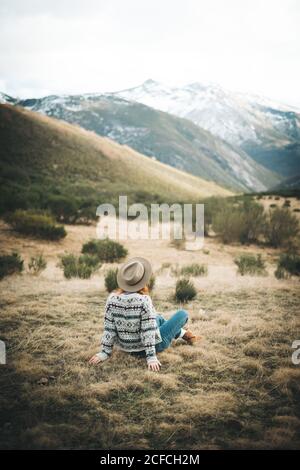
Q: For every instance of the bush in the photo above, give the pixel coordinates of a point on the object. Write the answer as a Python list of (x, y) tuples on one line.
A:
[(84, 271), (254, 222), (281, 273), (89, 260), (69, 265), (185, 290), (194, 269), (79, 266), (288, 264), (36, 224), (251, 264), (151, 283), (212, 206), (37, 264), (106, 250), (63, 208), (11, 199), (10, 264), (111, 280), (281, 228), (243, 223), (228, 224), (86, 213)]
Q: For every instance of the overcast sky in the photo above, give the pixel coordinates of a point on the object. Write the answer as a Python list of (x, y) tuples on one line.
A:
[(76, 46)]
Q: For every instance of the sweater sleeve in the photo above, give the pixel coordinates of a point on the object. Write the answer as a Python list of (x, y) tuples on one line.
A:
[(148, 328), (110, 331)]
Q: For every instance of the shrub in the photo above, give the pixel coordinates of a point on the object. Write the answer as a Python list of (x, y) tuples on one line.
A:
[(10, 264), (213, 206), (111, 280), (63, 208), (287, 203), (79, 266), (194, 269), (253, 222), (84, 271), (89, 260), (185, 290), (11, 199), (251, 264), (281, 273), (69, 265), (151, 283), (244, 223), (86, 213), (228, 224), (106, 250), (37, 264), (36, 224), (282, 227), (288, 264)]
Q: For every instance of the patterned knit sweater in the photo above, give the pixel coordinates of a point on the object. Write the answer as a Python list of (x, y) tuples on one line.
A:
[(130, 324)]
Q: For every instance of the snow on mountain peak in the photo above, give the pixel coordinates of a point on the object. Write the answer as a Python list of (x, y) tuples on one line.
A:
[(6, 99), (233, 116), (150, 82)]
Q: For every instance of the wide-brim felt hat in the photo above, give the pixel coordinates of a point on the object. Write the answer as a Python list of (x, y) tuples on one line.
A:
[(134, 274)]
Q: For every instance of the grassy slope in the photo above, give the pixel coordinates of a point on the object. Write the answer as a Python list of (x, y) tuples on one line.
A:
[(37, 150)]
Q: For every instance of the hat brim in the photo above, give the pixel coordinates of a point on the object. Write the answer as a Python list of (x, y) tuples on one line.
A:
[(142, 283)]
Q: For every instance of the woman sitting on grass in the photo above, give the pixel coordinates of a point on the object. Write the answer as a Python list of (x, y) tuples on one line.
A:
[(131, 322)]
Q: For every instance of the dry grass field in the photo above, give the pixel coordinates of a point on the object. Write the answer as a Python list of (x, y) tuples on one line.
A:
[(236, 389)]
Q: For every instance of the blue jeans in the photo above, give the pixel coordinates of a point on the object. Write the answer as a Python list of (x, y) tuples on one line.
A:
[(169, 330)]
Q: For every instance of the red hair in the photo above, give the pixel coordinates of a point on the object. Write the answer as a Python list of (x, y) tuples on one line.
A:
[(143, 291)]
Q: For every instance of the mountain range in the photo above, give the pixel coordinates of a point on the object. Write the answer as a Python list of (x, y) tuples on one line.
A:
[(163, 136), (242, 142), (267, 131)]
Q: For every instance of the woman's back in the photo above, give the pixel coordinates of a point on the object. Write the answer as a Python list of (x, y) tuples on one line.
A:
[(130, 323)]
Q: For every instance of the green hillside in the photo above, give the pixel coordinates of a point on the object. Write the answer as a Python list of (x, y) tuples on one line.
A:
[(42, 158)]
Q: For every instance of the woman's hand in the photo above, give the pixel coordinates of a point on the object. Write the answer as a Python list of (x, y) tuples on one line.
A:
[(99, 357), (95, 360), (154, 365)]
